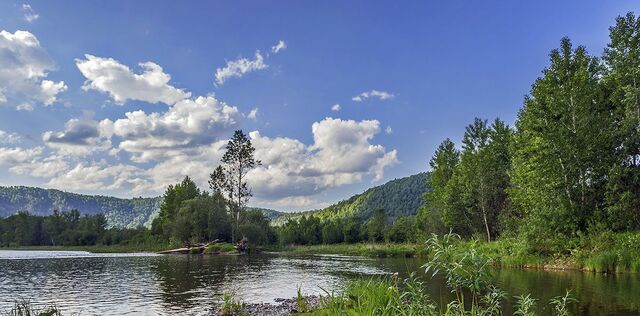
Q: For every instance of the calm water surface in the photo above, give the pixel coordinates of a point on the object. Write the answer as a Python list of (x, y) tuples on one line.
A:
[(148, 284)]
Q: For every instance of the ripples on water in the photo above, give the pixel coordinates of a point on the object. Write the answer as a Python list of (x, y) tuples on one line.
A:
[(148, 284)]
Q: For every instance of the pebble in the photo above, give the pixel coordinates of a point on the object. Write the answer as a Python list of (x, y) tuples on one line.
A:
[(281, 307)]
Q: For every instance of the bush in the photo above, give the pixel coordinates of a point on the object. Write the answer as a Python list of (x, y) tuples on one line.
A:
[(220, 248)]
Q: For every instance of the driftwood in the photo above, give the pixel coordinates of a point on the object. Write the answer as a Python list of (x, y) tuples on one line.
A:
[(241, 246), (188, 246)]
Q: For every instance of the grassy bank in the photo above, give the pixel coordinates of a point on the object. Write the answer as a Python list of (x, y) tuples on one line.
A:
[(603, 252), (379, 250), (466, 273)]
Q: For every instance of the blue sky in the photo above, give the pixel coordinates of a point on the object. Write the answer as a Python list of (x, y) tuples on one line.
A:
[(435, 66)]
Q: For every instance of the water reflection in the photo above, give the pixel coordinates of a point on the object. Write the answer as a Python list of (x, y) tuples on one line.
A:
[(164, 285)]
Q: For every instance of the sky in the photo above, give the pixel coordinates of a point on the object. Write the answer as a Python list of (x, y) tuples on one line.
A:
[(123, 98)]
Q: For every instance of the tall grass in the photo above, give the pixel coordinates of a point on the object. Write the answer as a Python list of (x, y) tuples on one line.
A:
[(466, 274), (231, 306), (25, 308)]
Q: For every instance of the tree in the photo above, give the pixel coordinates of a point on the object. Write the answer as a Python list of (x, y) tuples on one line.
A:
[(172, 200), (443, 164), (229, 177), (403, 230), (563, 148), (376, 225), (622, 79)]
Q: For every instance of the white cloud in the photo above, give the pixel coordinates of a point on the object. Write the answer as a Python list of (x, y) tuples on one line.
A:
[(107, 75), (336, 107), (80, 137), (187, 124), (16, 156), (253, 114), (9, 138), (174, 145), (382, 95), (292, 169), (292, 202), (388, 130), (238, 68), (29, 14), (24, 107), (24, 67), (98, 177), (280, 46)]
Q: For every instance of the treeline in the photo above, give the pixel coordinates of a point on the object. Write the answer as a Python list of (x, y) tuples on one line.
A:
[(64, 229), (188, 214), (311, 230), (571, 165)]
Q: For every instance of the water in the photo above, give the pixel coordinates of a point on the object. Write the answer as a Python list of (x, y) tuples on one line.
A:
[(148, 284)]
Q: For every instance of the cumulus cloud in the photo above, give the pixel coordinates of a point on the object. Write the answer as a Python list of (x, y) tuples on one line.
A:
[(24, 67), (280, 46), (109, 76), (292, 169), (382, 95), (9, 138), (240, 67), (253, 114), (16, 156), (29, 14), (99, 176), (336, 107), (187, 124), (173, 145), (81, 176), (80, 137)]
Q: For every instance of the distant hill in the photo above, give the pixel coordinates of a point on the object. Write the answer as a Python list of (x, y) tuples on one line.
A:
[(397, 197), (38, 201), (268, 213)]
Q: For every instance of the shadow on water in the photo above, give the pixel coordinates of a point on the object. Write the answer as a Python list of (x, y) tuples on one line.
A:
[(597, 294), (165, 285)]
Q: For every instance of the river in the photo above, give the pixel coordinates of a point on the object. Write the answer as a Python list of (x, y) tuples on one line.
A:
[(147, 284)]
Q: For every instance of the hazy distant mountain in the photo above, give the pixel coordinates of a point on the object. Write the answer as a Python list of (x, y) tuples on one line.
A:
[(38, 201), (397, 197)]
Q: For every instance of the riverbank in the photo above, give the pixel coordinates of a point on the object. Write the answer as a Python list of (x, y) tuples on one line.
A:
[(603, 253), (377, 250)]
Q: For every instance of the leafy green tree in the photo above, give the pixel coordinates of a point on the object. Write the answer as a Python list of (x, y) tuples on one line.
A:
[(376, 225), (443, 164), (172, 199), (403, 230), (622, 79), (332, 232), (230, 177), (351, 230), (563, 149)]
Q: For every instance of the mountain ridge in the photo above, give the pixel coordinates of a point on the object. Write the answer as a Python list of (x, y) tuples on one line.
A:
[(399, 197)]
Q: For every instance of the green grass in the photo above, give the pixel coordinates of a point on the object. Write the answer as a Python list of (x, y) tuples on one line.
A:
[(603, 253), (379, 250), (465, 270), (220, 248), (25, 308)]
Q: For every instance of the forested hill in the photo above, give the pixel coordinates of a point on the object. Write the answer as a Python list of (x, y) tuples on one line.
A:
[(397, 197), (38, 201)]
